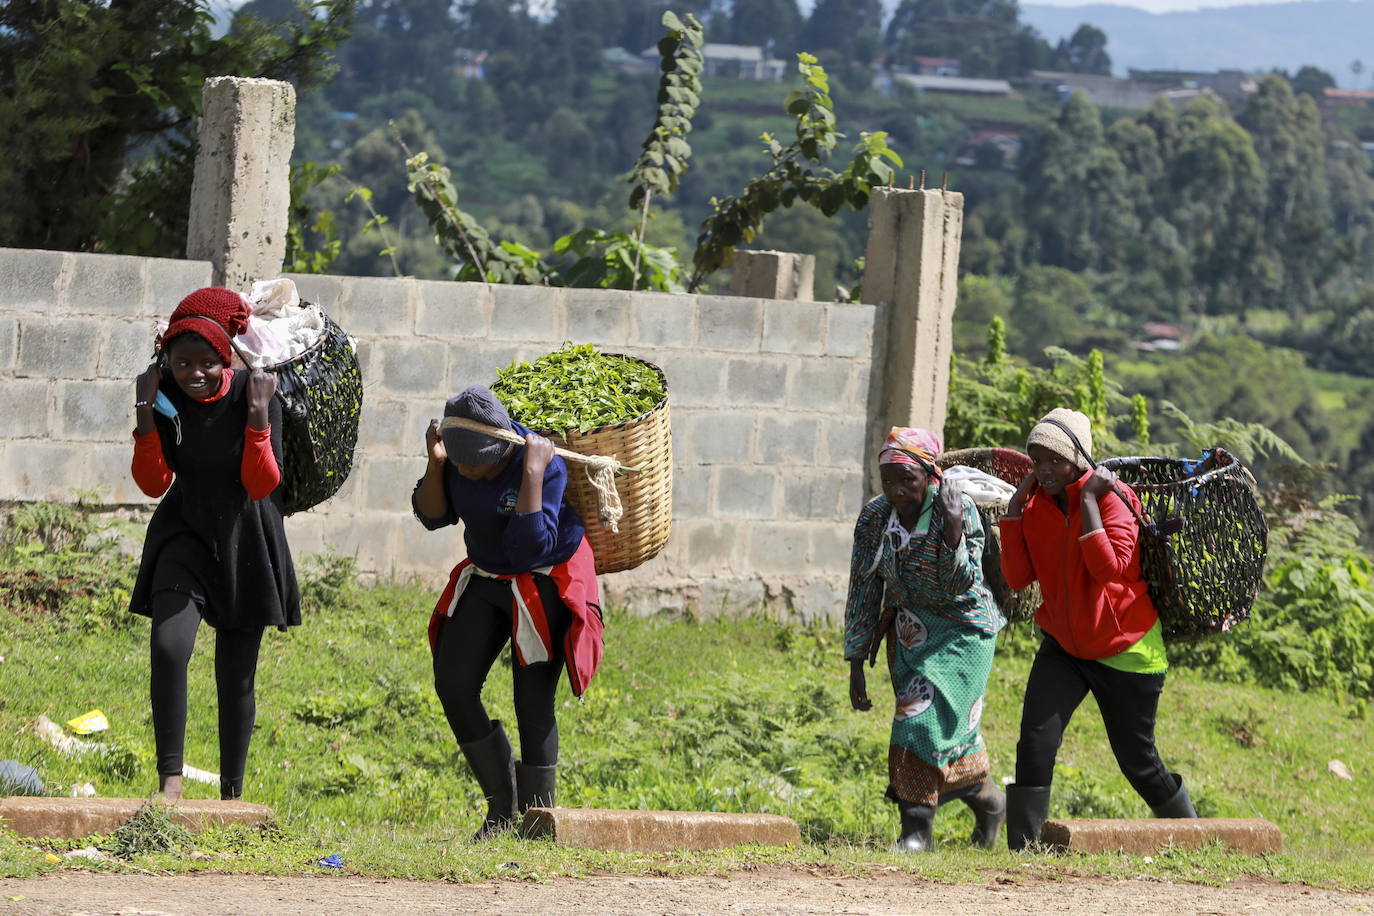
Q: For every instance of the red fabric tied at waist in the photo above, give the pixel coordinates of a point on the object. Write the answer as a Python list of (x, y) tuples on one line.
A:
[(576, 582)]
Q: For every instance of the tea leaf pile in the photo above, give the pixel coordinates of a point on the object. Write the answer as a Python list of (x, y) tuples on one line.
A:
[(577, 388)]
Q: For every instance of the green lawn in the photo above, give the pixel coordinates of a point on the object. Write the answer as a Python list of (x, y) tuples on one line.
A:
[(353, 752)]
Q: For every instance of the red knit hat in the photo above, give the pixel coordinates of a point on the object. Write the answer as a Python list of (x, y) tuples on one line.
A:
[(215, 313)]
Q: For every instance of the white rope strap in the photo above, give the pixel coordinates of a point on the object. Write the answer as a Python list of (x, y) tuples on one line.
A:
[(601, 469)]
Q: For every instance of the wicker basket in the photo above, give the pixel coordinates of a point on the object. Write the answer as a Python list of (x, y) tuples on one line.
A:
[(1203, 579), (1018, 604), (646, 442)]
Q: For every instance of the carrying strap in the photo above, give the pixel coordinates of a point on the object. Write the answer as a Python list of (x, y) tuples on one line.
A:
[(1170, 526), (930, 469), (233, 346)]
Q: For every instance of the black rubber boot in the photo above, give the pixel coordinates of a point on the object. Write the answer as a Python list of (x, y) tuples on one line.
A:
[(534, 786), (1027, 808), (917, 821), (493, 764), (989, 806), (1180, 805)]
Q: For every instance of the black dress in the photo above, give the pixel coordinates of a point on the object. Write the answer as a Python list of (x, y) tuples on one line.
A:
[(208, 539)]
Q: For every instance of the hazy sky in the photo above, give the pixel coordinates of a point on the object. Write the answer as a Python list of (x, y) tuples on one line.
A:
[(1153, 6), (1157, 6)]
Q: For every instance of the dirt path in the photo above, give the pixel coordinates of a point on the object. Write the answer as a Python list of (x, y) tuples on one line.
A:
[(775, 891)]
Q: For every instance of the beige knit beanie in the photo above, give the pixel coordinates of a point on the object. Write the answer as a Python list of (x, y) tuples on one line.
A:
[(1056, 440)]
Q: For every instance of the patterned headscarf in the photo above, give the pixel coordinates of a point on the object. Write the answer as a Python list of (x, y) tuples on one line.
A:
[(922, 443)]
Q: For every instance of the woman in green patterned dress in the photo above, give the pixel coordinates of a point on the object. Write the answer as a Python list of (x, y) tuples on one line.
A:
[(916, 578)]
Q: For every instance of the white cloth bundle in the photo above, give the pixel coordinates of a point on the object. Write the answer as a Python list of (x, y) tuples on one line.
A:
[(983, 487), (279, 326)]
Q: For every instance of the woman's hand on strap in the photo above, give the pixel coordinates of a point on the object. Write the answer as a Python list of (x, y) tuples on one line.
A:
[(1017, 504), (858, 687), (145, 393), (952, 499), (538, 454), (434, 444), (146, 385), (261, 386), (1100, 483)]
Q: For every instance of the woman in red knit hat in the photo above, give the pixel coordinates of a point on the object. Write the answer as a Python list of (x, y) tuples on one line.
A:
[(216, 548)]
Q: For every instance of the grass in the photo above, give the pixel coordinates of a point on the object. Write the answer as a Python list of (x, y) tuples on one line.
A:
[(352, 751)]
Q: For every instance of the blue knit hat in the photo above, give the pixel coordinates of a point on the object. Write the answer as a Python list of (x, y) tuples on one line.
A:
[(465, 446)]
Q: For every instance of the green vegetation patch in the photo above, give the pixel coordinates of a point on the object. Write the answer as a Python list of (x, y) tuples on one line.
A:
[(578, 388), (353, 752)]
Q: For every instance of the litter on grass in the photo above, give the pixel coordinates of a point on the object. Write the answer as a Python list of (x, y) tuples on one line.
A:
[(65, 744), (89, 723), (19, 779)]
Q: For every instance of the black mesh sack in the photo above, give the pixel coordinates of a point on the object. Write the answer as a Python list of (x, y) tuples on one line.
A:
[(1204, 543), (321, 393)]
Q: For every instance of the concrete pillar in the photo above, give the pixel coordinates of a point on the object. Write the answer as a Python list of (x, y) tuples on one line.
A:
[(773, 275), (912, 274), (241, 193)]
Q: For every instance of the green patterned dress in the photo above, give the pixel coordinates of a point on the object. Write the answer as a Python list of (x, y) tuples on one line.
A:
[(941, 625)]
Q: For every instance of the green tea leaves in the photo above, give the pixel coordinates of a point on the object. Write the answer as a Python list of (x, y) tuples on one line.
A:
[(577, 388)]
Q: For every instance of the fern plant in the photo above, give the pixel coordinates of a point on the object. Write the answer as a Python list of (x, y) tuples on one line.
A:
[(993, 402)]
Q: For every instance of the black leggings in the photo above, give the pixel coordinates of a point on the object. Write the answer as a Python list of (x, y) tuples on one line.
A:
[(1128, 702), (470, 642), (175, 620)]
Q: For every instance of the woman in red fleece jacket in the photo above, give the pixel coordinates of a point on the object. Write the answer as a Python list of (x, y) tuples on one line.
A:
[(1068, 530)]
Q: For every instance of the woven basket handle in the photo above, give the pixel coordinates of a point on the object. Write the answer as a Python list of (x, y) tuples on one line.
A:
[(1172, 526)]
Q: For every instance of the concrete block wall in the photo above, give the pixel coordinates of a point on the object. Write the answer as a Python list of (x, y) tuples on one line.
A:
[(75, 330), (769, 411)]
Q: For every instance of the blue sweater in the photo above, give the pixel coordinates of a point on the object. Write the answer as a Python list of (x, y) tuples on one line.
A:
[(498, 539)]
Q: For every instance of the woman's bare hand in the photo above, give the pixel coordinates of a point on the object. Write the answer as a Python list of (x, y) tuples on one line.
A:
[(434, 444), (858, 687)]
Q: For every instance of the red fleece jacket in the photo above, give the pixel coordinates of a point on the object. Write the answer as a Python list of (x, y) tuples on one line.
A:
[(1096, 603)]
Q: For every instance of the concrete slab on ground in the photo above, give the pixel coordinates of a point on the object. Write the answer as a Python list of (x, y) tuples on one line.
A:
[(78, 817), (658, 831), (1147, 836)]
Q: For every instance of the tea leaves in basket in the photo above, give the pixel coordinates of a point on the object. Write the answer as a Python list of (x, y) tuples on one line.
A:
[(576, 388)]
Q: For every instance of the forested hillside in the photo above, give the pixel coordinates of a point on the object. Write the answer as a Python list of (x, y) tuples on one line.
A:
[(1242, 231)]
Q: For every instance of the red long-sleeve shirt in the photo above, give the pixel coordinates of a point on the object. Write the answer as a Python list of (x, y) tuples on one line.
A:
[(258, 469), (1096, 603)]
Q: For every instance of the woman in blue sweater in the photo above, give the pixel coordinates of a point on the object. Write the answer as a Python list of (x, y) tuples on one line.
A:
[(528, 577)]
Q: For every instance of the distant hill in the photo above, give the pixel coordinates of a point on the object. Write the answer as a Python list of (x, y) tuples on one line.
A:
[(1325, 33)]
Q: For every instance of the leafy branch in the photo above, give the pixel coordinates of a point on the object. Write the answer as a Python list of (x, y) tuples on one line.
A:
[(462, 236), (664, 153), (591, 257), (305, 217), (375, 222), (797, 172)]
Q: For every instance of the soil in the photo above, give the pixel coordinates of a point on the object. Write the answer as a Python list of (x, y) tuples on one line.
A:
[(783, 891)]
